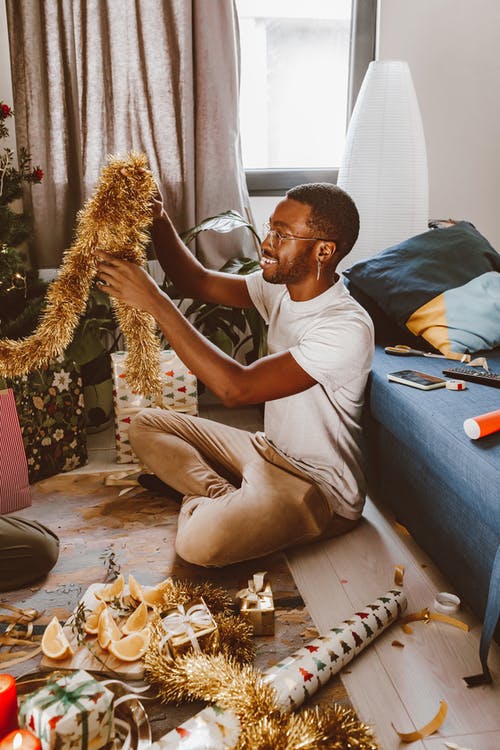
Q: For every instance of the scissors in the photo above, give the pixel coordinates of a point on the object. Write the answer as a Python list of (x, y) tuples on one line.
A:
[(406, 351)]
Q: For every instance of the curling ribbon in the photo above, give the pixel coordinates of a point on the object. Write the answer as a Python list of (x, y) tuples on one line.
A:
[(426, 615), (428, 729), (312, 665), (182, 622)]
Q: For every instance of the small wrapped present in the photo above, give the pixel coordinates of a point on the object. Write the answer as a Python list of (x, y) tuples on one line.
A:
[(74, 712), (180, 392), (51, 409), (189, 627), (257, 604)]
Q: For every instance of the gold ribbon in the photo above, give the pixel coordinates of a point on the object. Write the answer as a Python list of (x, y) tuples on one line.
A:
[(257, 590), (428, 729), (183, 622), (19, 632), (427, 616)]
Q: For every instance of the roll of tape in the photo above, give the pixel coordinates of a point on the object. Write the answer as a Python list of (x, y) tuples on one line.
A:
[(456, 385), (446, 603)]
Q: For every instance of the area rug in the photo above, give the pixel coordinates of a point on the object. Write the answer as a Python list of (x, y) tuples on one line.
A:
[(98, 529)]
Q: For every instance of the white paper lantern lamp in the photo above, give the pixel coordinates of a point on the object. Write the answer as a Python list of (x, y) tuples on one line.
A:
[(384, 166)]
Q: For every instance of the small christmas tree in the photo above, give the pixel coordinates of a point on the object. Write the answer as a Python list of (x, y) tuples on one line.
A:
[(17, 285)]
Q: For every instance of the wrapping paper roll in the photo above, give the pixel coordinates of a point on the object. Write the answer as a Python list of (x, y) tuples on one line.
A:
[(295, 678)]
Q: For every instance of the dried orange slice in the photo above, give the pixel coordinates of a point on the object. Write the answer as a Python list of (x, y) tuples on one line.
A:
[(55, 645), (92, 621), (107, 629), (154, 596), (111, 591), (135, 588), (132, 647), (151, 595), (137, 620)]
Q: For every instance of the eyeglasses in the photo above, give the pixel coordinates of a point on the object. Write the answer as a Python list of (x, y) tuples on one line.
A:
[(276, 238)]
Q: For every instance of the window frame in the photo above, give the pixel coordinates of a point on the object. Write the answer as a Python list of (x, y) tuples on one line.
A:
[(263, 182)]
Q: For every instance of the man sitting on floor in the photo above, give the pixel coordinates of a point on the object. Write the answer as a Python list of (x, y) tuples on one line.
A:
[(247, 495)]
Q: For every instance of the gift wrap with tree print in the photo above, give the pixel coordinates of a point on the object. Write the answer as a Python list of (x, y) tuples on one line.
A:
[(179, 393), (74, 712), (50, 407)]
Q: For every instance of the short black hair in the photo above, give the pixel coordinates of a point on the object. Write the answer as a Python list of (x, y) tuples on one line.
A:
[(334, 214)]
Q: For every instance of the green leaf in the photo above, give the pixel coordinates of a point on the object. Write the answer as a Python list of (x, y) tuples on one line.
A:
[(224, 222), (223, 342)]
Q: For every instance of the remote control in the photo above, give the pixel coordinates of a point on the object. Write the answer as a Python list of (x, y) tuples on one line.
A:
[(467, 373)]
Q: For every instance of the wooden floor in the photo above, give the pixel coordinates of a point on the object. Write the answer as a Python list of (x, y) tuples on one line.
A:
[(393, 684), (402, 685)]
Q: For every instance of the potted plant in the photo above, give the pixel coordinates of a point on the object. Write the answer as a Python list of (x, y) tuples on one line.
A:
[(231, 329)]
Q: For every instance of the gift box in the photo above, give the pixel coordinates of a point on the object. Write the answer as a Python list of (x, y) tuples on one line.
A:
[(257, 604), (50, 407), (74, 712), (179, 392), (189, 627)]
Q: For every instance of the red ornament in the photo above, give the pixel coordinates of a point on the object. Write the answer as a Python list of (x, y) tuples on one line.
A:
[(312, 649), (37, 175), (182, 732), (8, 704), (5, 111)]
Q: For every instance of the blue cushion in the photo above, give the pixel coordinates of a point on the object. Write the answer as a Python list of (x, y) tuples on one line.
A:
[(424, 283)]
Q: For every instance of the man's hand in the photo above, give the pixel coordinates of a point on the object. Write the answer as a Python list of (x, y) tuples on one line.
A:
[(127, 282), (157, 207)]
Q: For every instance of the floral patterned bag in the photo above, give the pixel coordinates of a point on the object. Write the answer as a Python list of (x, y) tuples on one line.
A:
[(51, 413)]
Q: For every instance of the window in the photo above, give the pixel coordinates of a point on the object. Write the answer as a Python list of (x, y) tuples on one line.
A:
[(302, 62)]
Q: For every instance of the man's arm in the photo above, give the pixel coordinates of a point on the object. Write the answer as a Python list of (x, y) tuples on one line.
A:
[(275, 376), (187, 273)]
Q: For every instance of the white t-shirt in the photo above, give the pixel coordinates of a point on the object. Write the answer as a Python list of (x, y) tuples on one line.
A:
[(319, 429)]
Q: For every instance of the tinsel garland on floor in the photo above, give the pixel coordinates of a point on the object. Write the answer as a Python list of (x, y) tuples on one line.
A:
[(225, 679), (115, 220)]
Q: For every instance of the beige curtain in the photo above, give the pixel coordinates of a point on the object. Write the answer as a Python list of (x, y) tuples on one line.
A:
[(93, 77)]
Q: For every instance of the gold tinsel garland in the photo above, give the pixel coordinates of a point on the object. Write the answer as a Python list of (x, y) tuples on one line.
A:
[(243, 691), (226, 679), (115, 220)]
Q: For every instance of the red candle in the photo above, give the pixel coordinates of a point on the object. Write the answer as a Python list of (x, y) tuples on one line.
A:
[(20, 739), (8, 704)]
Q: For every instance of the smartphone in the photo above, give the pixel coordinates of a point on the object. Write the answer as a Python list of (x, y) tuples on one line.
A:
[(417, 379)]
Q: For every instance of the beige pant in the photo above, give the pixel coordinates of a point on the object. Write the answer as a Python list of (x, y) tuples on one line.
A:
[(241, 500)]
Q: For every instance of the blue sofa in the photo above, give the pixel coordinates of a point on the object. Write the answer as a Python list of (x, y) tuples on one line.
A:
[(441, 485)]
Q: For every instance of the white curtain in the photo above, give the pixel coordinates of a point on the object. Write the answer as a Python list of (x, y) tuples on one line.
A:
[(93, 77)]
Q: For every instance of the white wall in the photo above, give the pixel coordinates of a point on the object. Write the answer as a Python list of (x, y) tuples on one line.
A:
[(451, 47)]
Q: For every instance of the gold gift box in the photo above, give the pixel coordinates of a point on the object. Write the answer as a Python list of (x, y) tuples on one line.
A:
[(190, 627), (257, 604)]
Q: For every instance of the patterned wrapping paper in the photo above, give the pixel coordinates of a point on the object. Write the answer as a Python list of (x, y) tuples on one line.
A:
[(179, 393), (74, 712), (50, 406), (296, 678), (300, 675)]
